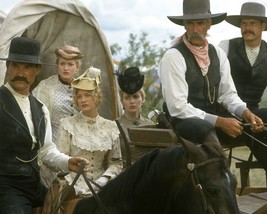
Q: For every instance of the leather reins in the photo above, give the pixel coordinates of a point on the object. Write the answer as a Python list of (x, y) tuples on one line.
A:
[(88, 182), (193, 168)]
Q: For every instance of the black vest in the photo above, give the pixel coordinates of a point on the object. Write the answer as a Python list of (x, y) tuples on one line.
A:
[(250, 81), (199, 94), (15, 139)]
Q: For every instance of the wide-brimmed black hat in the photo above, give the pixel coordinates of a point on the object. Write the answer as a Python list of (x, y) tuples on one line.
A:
[(195, 10), (251, 10), (130, 80), (24, 49)]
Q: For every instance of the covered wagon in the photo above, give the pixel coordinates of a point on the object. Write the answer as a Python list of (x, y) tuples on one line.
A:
[(2, 17), (54, 23)]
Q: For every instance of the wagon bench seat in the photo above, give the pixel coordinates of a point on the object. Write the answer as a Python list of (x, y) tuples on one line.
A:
[(152, 136), (142, 140)]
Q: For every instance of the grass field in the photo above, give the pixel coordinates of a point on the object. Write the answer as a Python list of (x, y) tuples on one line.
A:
[(257, 176)]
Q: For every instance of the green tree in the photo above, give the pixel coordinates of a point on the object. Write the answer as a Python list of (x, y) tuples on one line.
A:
[(141, 53)]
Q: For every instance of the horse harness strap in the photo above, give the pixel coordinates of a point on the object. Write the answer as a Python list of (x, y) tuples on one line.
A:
[(67, 190), (87, 180), (100, 203), (192, 167)]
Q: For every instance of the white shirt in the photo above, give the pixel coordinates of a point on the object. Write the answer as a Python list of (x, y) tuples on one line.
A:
[(175, 89), (24, 104), (48, 154), (252, 53)]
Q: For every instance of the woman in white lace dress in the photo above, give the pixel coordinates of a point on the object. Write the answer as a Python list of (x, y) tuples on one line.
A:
[(90, 135), (56, 93)]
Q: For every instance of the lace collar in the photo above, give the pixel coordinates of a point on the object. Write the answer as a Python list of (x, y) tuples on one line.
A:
[(92, 137), (86, 119)]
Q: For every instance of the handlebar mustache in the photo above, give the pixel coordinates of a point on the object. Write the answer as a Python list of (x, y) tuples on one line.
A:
[(195, 35)]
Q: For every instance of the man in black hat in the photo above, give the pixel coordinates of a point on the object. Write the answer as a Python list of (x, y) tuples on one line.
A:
[(196, 81), (25, 133), (248, 60)]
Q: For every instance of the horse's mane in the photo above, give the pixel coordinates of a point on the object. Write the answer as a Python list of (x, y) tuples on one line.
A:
[(159, 160), (141, 170)]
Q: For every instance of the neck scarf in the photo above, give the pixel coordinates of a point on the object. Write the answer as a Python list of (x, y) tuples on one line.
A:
[(201, 54)]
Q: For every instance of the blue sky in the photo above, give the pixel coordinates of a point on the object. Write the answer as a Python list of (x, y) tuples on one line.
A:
[(119, 18)]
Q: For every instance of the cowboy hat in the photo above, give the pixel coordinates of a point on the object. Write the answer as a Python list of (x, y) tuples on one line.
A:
[(130, 80), (23, 49), (195, 10), (250, 10), (89, 80)]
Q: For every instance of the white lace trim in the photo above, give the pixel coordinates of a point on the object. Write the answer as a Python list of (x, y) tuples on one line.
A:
[(91, 137)]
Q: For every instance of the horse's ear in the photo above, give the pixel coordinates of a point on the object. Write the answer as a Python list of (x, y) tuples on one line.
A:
[(193, 151), (215, 148)]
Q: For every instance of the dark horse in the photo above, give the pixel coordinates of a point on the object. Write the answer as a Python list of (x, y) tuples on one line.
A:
[(186, 179)]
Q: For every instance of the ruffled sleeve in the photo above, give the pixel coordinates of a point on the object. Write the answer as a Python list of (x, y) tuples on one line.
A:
[(114, 160), (63, 138)]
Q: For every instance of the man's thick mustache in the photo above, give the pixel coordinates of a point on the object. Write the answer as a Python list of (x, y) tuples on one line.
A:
[(196, 35), (20, 79), (247, 32)]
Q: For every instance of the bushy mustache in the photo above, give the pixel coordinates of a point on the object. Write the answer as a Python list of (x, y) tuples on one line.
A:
[(247, 32), (17, 78), (195, 35)]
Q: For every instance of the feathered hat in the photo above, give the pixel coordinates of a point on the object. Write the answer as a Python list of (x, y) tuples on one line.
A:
[(130, 80), (89, 80)]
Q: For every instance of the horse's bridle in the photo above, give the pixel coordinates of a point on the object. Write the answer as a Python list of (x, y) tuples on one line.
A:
[(193, 172)]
